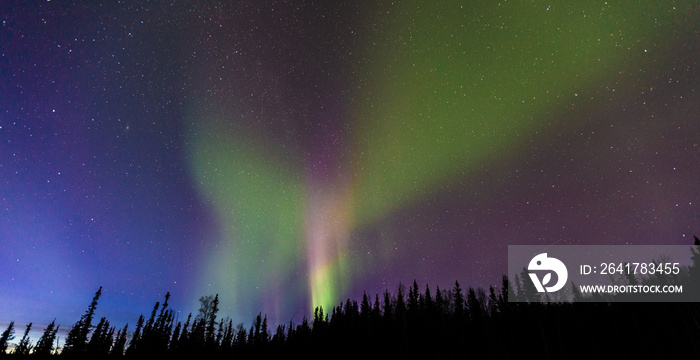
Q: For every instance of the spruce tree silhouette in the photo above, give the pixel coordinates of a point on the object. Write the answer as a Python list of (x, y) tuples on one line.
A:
[(101, 340), (6, 337), (157, 332), (400, 305), (279, 338), (208, 310), (439, 302), (692, 291), (175, 339), (148, 328), (458, 299), (376, 311), (256, 337), (318, 322), (136, 338), (184, 339), (576, 295), (493, 308), (240, 339), (78, 334), (264, 333), (429, 304), (413, 298), (120, 342), (219, 334), (44, 347), (365, 307), (506, 291), (387, 308), (227, 340), (24, 346), (694, 272), (528, 289), (474, 305)]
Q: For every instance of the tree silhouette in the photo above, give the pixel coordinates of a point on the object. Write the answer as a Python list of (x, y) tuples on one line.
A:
[(575, 293), (528, 289), (6, 337), (319, 319), (694, 270), (120, 342), (226, 342), (400, 306), (387, 305), (428, 301), (439, 301), (240, 339), (476, 312), (206, 320), (136, 338), (78, 334), (506, 291), (494, 307), (458, 301), (376, 311), (101, 340), (24, 346), (44, 346), (264, 333), (365, 307), (211, 319), (279, 337)]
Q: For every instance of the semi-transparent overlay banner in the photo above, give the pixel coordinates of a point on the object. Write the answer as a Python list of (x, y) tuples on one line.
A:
[(604, 273)]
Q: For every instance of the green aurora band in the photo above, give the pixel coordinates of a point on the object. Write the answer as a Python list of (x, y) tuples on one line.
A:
[(260, 210)]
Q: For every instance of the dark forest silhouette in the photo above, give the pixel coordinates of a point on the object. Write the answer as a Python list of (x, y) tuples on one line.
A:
[(408, 323)]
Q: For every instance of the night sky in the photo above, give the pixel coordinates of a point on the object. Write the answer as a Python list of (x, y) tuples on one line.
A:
[(291, 154)]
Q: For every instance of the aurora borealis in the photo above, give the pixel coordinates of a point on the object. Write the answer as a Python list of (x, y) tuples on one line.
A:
[(292, 154)]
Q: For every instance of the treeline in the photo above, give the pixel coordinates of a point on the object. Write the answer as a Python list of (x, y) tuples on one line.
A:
[(404, 317), (407, 323), (444, 323)]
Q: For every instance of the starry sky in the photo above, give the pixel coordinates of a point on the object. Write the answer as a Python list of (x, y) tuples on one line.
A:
[(286, 155)]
